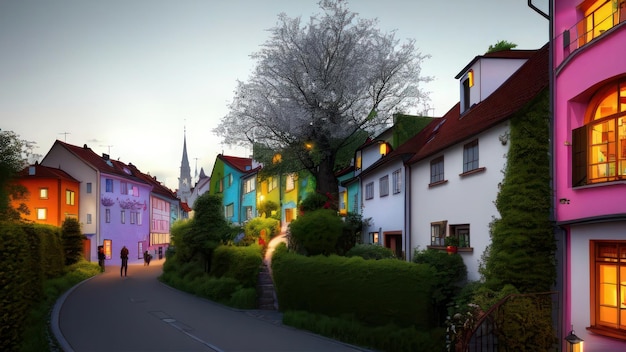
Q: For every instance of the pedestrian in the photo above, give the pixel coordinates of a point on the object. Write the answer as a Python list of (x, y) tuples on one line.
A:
[(146, 258), (124, 256), (101, 257)]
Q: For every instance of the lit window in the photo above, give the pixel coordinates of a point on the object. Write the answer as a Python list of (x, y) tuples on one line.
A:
[(397, 181), (384, 186), (599, 147), (290, 182), (249, 185), (609, 287), (470, 78), (438, 233), (369, 190), (358, 160), (42, 213), (470, 156), (43, 193), (436, 170), (69, 197)]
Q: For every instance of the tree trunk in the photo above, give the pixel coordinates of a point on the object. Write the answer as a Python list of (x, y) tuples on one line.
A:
[(326, 182)]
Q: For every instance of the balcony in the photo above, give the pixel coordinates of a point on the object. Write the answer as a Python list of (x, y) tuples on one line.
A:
[(593, 26)]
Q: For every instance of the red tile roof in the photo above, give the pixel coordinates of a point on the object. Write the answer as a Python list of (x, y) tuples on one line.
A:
[(244, 165), (45, 172)]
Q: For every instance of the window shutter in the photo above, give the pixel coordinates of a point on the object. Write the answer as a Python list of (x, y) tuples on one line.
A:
[(579, 156)]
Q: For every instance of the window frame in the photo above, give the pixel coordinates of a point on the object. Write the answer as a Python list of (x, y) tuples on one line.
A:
[(369, 190), (471, 157), (438, 231), (437, 170), (383, 186), (397, 181)]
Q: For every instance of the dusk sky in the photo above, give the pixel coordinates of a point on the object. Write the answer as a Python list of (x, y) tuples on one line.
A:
[(126, 77)]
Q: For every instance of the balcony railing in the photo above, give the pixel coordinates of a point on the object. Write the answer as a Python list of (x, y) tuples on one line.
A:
[(594, 25)]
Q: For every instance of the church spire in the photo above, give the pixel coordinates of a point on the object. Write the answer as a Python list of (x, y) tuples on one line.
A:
[(184, 181)]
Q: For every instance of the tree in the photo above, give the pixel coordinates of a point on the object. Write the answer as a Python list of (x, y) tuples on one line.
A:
[(13, 156), (317, 86), (500, 46), (72, 237), (522, 239), (208, 228)]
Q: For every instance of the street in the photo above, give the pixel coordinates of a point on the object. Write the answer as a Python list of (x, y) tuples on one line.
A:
[(139, 313)]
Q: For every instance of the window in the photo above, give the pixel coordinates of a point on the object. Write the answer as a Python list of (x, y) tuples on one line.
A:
[(248, 185), (383, 188), (355, 203), (369, 190), (124, 188), (290, 182), (139, 220), (88, 185), (436, 170), (107, 215), (358, 160), (438, 233), (229, 211), (89, 218), (470, 156), (133, 217), (608, 290), (248, 212), (466, 95), (134, 191), (599, 147), (272, 183), (221, 186), (230, 180), (374, 237), (42, 213), (462, 232), (43, 193), (123, 217), (397, 181), (599, 16), (69, 197), (109, 185)]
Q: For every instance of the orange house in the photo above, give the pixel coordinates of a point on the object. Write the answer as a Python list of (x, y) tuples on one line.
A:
[(52, 194)]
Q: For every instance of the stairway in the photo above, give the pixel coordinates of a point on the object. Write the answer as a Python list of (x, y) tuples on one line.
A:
[(265, 290)]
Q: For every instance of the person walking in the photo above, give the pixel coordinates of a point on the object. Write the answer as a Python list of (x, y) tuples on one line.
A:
[(124, 256), (101, 257), (146, 258)]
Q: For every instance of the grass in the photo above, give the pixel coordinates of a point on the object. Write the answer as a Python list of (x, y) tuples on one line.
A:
[(38, 335)]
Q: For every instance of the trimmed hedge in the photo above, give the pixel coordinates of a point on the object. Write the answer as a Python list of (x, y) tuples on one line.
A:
[(29, 254), (240, 263), (380, 292)]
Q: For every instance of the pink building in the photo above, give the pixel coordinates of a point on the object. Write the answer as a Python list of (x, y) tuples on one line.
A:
[(589, 92)]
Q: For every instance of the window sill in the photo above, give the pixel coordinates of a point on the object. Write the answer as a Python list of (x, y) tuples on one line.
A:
[(472, 172), (460, 249), (618, 334), (438, 183)]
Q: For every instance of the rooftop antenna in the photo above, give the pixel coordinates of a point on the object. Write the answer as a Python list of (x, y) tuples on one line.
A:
[(108, 146), (65, 136)]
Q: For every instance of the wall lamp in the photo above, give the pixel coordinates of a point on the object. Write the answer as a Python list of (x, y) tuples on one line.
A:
[(573, 343), (564, 201)]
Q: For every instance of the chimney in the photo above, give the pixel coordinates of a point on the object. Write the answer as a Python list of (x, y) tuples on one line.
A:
[(105, 156)]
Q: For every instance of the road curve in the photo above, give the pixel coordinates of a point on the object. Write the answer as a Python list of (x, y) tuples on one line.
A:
[(139, 313)]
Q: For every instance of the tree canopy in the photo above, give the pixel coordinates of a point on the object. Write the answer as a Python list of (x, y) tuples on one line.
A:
[(13, 158), (320, 86), (500, 46)]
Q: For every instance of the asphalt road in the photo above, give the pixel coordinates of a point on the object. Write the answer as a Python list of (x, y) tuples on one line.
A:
[(139, 313)]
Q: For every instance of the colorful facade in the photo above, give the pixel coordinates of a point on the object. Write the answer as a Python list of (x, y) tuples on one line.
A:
[(53, 195), (589, 98)]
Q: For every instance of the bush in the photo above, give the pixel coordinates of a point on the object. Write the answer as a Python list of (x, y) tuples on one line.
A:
[(240, 263), (72, 241), (244, 298), (316, 232), (370, 251), (265, 228)]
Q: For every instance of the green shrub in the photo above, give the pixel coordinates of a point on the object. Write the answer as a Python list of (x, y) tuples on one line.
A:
[(72, 241), (240, 263), (387, 337), (337, 285), (317, 232), (370, 251), (244, 298)]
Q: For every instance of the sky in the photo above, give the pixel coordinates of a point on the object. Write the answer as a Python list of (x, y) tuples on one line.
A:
[(131, 78)]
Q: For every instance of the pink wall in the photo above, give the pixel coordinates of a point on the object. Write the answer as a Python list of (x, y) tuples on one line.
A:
[(576, 80)]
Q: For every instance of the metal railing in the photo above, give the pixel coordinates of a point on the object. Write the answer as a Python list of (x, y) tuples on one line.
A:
[(506, 326), (594, 25)]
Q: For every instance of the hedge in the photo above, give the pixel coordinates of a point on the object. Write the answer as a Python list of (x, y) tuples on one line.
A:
[(380, 292)]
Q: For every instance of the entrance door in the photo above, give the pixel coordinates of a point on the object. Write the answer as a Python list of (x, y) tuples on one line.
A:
[(394, 242)]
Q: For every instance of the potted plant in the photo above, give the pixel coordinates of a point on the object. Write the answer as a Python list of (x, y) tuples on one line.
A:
[(452, 244)]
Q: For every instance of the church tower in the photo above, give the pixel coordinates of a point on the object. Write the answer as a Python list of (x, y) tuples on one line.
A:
[(184, 181)]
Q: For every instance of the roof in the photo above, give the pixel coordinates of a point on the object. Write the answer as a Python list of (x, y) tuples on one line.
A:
[(243, 165), (503, 54), (102, 163), (45, 172), (157, 187), (517, 91)]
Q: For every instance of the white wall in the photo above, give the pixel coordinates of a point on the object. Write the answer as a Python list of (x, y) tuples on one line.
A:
[(463, 199)]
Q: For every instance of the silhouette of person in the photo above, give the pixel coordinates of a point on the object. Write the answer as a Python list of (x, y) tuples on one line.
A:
[(124, 256), (146, 258), (101, 257)]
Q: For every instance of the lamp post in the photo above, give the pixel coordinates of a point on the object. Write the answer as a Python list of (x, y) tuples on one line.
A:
[(573, 343)]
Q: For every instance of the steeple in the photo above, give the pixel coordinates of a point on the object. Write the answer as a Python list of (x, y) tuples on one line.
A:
[(184, 181)]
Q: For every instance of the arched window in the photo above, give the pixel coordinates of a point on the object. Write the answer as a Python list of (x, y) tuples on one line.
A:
[(599, 153)]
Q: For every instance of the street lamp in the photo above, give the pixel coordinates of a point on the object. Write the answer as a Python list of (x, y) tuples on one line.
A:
[(573, 343)]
